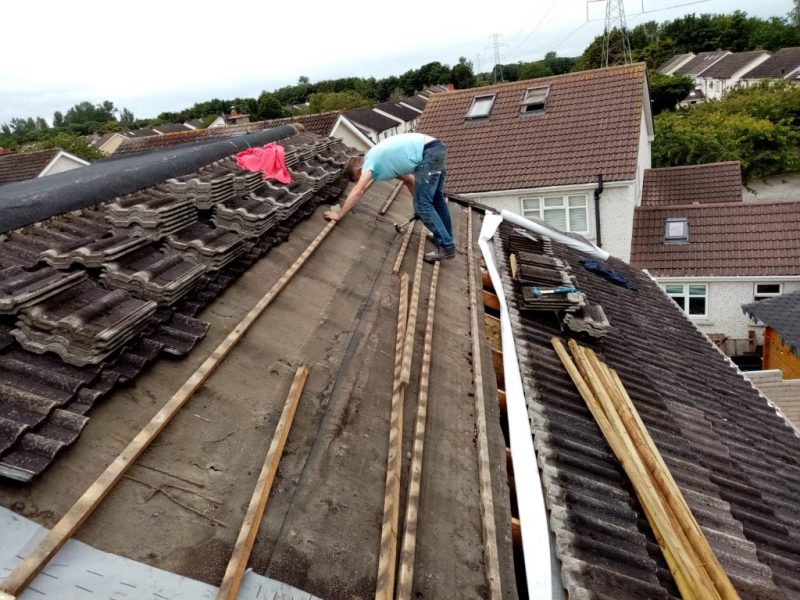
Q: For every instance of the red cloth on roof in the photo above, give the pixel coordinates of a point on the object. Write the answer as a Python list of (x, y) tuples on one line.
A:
[(269, 159)]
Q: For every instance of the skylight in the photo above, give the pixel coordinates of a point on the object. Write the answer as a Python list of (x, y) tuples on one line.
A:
[(481, 107), (676, 231), (534, 100)]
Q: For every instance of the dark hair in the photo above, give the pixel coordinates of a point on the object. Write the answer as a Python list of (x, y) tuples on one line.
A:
[(353, 166)]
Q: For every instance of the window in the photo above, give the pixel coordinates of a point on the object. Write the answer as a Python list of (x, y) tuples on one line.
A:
[(481, 107), (565, 213), (534, 100), (766, 290), (676, 231), (691, 297)]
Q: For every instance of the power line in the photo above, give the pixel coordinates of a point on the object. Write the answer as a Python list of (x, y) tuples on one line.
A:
[(539, 24)]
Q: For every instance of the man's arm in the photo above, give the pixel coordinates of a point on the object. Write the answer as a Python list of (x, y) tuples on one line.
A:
[(408, 181), (352, 198)]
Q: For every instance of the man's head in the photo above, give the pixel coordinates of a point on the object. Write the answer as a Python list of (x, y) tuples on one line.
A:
[(353, 168)]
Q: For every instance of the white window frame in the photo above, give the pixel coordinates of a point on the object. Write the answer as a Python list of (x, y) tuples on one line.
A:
[(675, 237), (483, 114), (533, 97), (761, 295), (685, 294), (540, 212)]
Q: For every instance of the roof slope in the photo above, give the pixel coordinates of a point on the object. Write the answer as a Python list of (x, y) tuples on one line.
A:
[(777, 66), (590, 126), (701, 62), (417, 102), (675, 60), (782, 313), (712, 182), (398, 110), (19, 166), (732, 64), (725, 239), (735, 460), (366, 117)]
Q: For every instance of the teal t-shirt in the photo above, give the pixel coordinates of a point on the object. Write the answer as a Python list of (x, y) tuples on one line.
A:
[(397, 155)]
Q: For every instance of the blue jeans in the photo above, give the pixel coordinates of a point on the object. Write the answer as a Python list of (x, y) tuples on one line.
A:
[(429, 202)]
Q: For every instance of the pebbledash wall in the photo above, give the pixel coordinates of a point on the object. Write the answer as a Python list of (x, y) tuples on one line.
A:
[(725, 298)]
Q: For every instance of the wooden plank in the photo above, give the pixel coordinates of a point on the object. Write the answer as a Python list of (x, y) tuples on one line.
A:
[(27, 570), (501, 400), (390, 199), (232, 580), (411, 326), (490, 552), (490, 300), (384, 586), (401, 254), (695, 581), (408, 547)]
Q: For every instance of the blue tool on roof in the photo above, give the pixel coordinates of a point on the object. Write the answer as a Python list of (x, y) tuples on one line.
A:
[(559, 290)]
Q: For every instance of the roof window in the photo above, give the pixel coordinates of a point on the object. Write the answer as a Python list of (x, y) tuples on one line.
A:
[(534, 100), (676, 231), (481, 107)]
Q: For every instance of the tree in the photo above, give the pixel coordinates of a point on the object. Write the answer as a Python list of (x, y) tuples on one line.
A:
[(336, 101), (667, 90), (534, 70), (461, 75), (267, 107), (74, 144), (126, 118), (58, 119), (794, 14)]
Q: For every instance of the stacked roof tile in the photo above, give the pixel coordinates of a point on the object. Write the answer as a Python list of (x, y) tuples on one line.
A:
[(730, 238), (735, 460), (70, 333), (590, 125), (709, 183)]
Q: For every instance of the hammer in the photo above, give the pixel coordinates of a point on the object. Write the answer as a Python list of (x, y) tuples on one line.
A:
[(537, 292), (401, 227)]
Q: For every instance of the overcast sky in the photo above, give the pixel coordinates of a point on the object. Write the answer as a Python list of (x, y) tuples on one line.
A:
[(155, 56)]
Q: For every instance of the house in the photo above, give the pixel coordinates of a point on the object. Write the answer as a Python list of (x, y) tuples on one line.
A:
[(674, 63), (396, 110), (194, 124), (781, 318), (415, 102), (724, 75), (735, 458), (783, 65), (695, 67), (375, 125), (19, 166), (569, 149), (711, 252), (166, 128)]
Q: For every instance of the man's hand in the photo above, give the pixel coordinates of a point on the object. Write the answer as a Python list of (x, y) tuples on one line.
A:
[(332, 215)]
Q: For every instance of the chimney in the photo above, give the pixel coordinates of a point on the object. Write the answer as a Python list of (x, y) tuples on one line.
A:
[(233, 111), (450, 87)]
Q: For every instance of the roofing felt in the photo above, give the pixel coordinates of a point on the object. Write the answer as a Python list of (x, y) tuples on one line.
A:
[(590, 126), (76, 339), (701, 62), (672, 62), (735, 460), (779, 65), (782, 313), (732, 64), (713, 182), (398, 110), (725, 239), (366, 117), (19, 166)]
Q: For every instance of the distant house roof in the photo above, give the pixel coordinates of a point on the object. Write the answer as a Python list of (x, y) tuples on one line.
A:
[(143, 132), (398, 110), (590, 125), (778, 66), (713, 182), (701, 62), (104, 138), (724, 239), (171, 128), (674, 62), (194, 124), (417, 102), (19, 166), (368, 118), (731, 64), (319, 123), (736, 461), (782, 313)]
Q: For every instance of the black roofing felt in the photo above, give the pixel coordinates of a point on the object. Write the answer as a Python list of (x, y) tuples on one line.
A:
[(782, 313), (30, 201), (735, 460)]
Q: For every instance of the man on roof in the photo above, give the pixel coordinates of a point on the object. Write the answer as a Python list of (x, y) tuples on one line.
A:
[(419, 161)]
